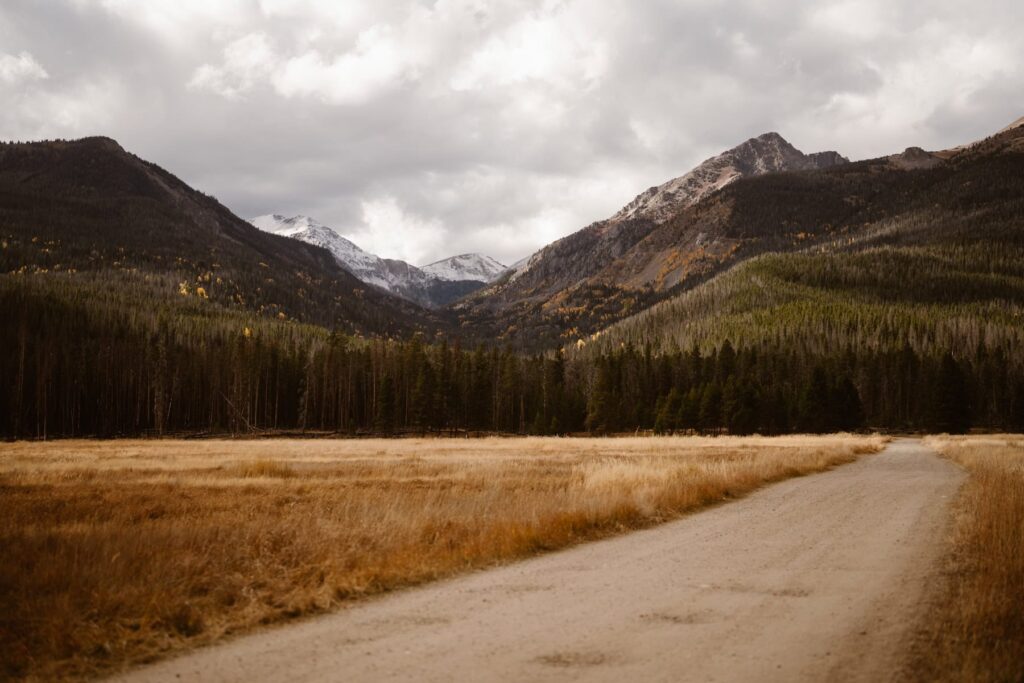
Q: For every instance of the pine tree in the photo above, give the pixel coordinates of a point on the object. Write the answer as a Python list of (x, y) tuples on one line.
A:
[(845, 406), (711, 408), (422, 399), (1015, 418), (950, 407), (814, 403), (689, 410), (599, 407), (742, 410), (384, 420)]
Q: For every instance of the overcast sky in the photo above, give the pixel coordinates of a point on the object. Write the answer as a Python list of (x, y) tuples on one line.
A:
[(421, 129)]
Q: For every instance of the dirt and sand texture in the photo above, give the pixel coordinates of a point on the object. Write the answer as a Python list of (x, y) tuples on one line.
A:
[(813, 578), (117, 553)]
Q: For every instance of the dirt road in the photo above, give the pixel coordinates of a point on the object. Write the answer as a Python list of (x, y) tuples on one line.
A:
[(817, 578)]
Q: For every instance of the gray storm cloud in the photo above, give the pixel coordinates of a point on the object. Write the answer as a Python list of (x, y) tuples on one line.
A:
[(425, 129)]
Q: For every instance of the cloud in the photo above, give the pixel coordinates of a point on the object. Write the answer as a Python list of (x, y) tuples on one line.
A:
[(547, 49), (376, 63), (856, 20), (32, 109), (15, 70), (174, 22), (390, 230), (247, 60), (423, 128)]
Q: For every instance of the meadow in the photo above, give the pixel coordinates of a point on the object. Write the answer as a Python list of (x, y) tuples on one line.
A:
[(122, 552)]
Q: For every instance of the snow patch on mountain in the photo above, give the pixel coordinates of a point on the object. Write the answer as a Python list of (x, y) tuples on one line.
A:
[(368, 267), (432, 286), (474, 267)]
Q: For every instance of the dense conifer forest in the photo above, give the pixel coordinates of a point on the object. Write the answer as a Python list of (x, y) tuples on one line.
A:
[(79, 362)]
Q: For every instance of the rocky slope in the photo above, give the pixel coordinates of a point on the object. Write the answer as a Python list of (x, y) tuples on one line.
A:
[(768, 153)]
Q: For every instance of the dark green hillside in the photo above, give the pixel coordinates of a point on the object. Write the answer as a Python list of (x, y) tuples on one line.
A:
[(89, 206), (101, 354), (877, 299)]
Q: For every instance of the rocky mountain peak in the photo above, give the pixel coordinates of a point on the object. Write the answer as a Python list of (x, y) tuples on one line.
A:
[(914, 158), (766, 153), (102, 142)]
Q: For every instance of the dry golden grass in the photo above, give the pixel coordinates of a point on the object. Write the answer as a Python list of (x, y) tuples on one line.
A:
[(119, 552), (976, 629)]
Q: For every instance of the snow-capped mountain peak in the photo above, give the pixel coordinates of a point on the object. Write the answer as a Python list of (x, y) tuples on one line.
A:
[(367, 267), (474, 267), (435, 285), (281, 225)]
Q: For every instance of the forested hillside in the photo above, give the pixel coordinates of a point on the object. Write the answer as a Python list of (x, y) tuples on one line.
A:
[(88, 206), (79, 363)]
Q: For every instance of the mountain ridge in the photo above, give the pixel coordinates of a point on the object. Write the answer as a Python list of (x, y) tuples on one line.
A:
[(889, 288), (766, 153), (432, 286), (920, 255), (88, 205), (470, 266), (546, 288)]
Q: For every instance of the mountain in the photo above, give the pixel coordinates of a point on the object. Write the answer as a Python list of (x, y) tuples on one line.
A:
[(431, 286), (473, 267), (768, 153), (88, 210), (368, 267), (909, 250), (618, 266)]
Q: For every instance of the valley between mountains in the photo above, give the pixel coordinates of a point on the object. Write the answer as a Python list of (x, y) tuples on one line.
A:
[(197, 408), (432, 286), (767, 290), (562, 340)]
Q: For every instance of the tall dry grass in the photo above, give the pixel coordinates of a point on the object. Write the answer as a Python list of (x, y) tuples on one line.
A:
[(120, 552), (976, 629)]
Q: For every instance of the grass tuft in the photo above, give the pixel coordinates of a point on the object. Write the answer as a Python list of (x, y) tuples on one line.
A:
[(263, 468)]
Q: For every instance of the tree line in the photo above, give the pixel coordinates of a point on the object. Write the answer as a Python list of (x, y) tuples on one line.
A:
[(75, 364)]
